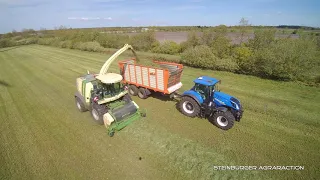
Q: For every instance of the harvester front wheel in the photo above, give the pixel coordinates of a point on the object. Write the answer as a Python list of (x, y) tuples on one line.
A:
[(189, 107), (127, 98), (223, 120), (97, 113), (133, 90), (80, 105)]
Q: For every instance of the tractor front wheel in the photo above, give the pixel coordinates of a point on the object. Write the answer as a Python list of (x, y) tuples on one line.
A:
[(223, 120), (189, 107)]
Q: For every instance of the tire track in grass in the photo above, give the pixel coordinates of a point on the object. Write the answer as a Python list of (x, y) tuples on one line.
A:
[(54, 60), (29, 68), (95, 60), (38, 113), (190, 158), (185, 148), (24, 96), (24, 139), (70, 58), (263, 137)]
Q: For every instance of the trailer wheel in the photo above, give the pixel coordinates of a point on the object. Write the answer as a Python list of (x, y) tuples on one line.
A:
[(142, 93), (189, 107), (223, 120), (133, 90)]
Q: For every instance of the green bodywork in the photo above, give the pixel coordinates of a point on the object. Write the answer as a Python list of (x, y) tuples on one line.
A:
[(118, 125), (111, 98), (108, 94)]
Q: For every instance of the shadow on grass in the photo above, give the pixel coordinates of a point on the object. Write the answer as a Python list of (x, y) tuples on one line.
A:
[(4, 83), (161, 97), (9, 48)]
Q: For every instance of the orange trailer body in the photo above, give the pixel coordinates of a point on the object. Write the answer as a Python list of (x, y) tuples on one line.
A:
[(165, 79)]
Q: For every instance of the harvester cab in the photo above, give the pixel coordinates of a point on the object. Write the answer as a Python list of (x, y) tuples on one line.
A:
[(107, 98), (204, 99)]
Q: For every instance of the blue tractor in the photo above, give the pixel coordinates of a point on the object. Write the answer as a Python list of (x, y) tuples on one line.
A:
[(204, 99)]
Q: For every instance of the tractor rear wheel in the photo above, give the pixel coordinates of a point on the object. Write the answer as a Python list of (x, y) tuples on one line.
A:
[(80, 105), (189, 107), (97, 113), (223, 120), (142, 93), (133, 90)]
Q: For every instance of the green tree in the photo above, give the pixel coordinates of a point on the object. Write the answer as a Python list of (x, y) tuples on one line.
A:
[(207, 37), (143, 41), (168, 47), (287, 59), (244, 60), (199, 56), (221, 44), (192, 41), (262, 39), (243, 27)]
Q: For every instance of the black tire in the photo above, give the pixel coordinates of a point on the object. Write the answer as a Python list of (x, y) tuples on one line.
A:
[(223, 120), (127, 98), (80, 105), (111, 133), (142, 93), (143, 114), (97, 113), (133, 90), (189, 107)]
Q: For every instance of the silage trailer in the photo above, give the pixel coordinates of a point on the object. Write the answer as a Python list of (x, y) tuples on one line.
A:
[(163, 77)]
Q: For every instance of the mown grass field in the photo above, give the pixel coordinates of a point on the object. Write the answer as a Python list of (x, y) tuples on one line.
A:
[(43, 136)]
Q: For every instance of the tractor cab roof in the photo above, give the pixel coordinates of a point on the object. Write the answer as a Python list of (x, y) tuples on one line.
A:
[(206, 80)]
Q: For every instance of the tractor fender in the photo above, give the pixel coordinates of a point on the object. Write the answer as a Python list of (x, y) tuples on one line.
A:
[(223, 109), (193, 95)]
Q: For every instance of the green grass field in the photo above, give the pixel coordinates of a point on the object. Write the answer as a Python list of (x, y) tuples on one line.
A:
[(43, 136)]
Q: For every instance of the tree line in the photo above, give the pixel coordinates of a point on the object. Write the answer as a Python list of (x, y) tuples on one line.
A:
[(264, 55)]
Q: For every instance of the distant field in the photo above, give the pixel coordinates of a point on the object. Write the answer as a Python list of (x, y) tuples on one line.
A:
[(179, 37), (43, 136)]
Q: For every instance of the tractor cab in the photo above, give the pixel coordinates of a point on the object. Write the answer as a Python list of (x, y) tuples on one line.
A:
[(206, 86)]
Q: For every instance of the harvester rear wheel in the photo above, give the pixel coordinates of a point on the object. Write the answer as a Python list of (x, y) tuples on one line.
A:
[(80, 105), (142, 93), (133, 90)]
